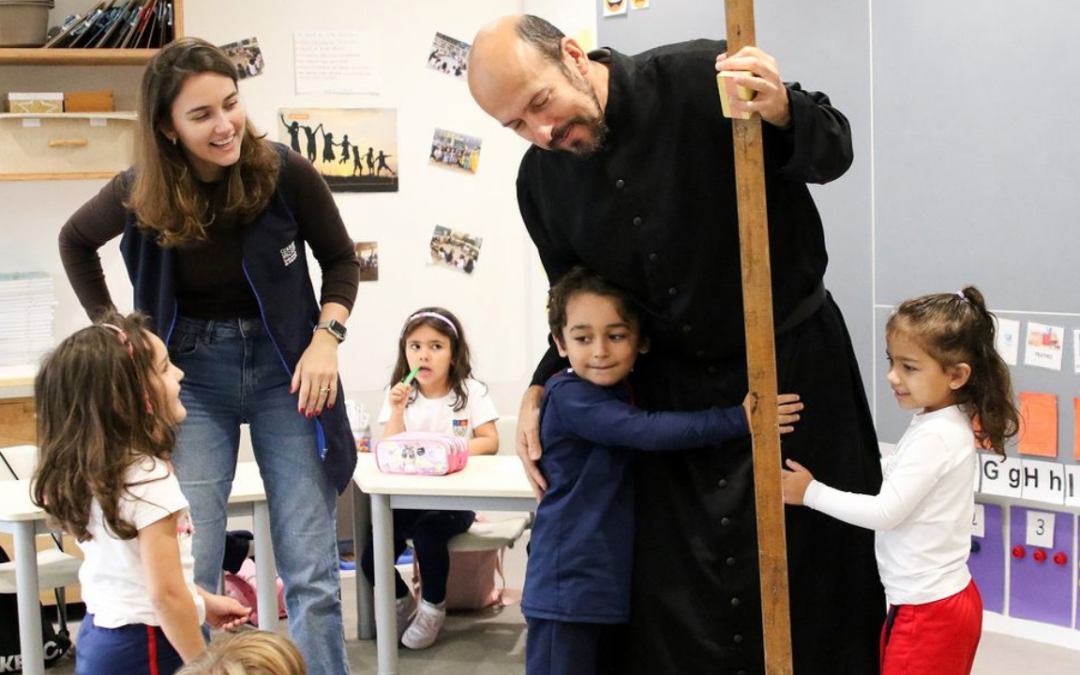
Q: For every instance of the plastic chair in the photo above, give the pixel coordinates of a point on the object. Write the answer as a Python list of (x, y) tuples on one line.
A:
[(56, 569)]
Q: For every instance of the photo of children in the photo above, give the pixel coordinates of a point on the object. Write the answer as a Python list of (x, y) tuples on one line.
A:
[(448, 56), (457, 250), (355, 149), (367, 252), (456, 151), (246, 56)]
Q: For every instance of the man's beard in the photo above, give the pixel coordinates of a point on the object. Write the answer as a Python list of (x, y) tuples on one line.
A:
[(583, 147), (597, 127)]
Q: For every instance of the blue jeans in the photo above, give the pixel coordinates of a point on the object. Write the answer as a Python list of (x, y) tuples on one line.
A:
[(127, 649), (233, 375)]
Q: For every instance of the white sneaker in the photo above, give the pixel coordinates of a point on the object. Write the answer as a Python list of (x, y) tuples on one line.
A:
[(425, 627), (405, 607)]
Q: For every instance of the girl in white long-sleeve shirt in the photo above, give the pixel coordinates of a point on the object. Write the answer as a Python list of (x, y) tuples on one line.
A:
[(944, 365)]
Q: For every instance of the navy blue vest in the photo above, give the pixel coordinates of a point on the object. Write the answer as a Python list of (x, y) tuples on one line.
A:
[(275, 264)]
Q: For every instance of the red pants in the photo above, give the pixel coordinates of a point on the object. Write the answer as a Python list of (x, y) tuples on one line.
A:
[(938, 638)]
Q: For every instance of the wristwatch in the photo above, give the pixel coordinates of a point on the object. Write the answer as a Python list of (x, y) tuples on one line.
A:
[(335, 328)]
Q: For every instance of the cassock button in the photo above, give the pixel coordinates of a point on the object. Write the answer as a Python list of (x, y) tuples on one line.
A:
[(653, 257), (737, 638), (731, 562), (724, 522), (700, 353), (687, 328), (712, 370), (722, 483), (637, 221), (672, 291), (620, 183), (735, 602)]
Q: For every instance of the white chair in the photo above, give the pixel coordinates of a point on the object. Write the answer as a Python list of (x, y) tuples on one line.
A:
[(56, 569), (493, 533)]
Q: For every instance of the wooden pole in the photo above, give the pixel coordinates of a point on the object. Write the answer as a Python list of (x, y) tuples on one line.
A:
[(761, 363)]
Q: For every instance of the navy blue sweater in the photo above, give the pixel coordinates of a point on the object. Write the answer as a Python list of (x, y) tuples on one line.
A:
[(580, 554)]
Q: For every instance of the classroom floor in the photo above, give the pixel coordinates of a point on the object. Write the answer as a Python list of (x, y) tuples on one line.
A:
[(492, 642)]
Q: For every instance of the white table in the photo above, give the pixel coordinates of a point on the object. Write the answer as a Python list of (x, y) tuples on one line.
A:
[(489, 483), (23, 520)]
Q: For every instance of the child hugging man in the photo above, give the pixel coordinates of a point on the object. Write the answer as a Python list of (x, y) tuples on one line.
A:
[(577, 583)]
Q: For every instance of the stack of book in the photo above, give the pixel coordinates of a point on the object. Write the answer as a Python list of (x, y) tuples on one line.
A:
[(26, 317), (118, 24)]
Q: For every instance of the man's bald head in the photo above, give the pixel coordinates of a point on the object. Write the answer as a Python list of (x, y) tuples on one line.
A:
[(519, 64)]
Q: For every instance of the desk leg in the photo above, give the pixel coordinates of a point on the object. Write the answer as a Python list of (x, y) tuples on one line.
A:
[(265, 569), (26, 588), (365, 609), (385, 616)]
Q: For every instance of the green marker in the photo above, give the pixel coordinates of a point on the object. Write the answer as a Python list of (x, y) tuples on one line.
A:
[(410, 376)]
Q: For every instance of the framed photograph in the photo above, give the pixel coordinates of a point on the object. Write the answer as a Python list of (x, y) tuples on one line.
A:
[(355, 149)]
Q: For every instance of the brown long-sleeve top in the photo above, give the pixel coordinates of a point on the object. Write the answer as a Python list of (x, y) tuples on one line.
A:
[(209, 277)]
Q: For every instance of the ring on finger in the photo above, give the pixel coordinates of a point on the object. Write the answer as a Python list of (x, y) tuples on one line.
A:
[(324, 390)]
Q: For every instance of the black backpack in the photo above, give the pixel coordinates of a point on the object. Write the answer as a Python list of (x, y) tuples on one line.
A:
[(56, 644)]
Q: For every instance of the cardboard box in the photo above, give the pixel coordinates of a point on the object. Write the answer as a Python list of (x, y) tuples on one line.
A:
[(34, 102), (89, 101)]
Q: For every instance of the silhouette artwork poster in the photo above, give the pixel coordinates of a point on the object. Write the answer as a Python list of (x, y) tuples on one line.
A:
[(367, 252), (452, 150), (457, 250), (355, 149), (449, 56), (246, 57)]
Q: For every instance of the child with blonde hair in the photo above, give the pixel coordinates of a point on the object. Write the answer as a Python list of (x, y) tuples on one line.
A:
[(255, 652)]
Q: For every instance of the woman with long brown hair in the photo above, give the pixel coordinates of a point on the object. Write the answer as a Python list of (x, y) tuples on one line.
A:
[(216, 222)]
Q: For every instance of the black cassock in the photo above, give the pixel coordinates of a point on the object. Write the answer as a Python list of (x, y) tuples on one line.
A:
[(654, 211)]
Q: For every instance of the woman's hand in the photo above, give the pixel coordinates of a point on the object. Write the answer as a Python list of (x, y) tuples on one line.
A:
[(795, 482), (316, 375)]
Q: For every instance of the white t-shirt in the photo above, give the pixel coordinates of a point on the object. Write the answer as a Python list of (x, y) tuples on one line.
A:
[(922, 514), (438, 414), (113, 577)]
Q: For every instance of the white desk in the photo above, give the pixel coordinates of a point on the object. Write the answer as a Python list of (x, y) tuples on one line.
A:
[(489, 483), (20, 517)]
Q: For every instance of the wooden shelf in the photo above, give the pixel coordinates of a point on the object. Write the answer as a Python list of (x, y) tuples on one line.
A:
[(56, 176), (75, 57)]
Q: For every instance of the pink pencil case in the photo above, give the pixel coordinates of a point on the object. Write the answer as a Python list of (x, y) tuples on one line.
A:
[(423, 453)]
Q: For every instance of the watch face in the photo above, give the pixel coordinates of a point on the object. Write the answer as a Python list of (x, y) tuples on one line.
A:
[(337, 330)]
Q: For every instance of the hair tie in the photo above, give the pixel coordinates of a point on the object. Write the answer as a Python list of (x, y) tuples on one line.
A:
[(122, 336), (431, 315), (960, 294)]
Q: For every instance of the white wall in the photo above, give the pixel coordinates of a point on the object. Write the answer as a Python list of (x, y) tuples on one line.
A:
[(500, 304)]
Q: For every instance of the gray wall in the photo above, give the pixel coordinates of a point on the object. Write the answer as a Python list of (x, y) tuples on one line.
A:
[(966, 154)]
